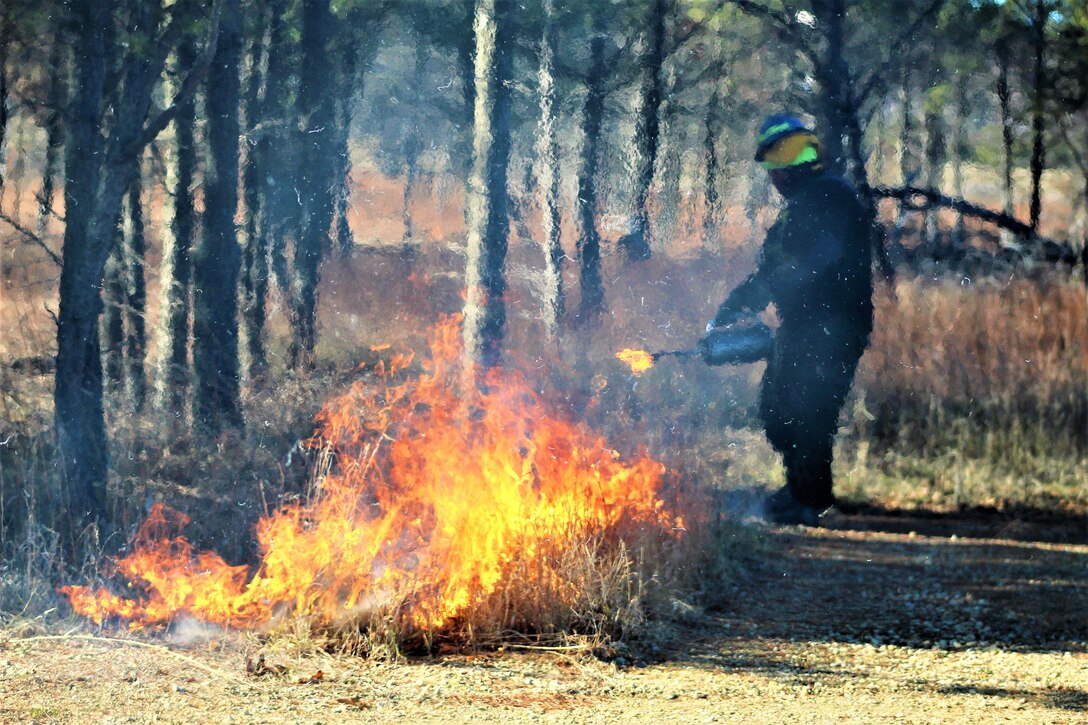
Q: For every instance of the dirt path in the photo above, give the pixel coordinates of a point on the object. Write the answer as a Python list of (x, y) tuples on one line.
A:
[(834, 626)]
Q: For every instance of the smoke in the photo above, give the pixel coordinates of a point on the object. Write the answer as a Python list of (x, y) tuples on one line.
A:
[(186, 631)]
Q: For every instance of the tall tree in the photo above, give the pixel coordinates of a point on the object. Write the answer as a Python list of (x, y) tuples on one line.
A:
[(216, 399), (177, 274), (487, 213), (255, 254), (548, 171), (5, 43), (135, 247), (413, 145), (589, 243), (54, 121), (99, 163), (636, 243), (113, 318), (317, 174), (1004, 97), (1040, 16)]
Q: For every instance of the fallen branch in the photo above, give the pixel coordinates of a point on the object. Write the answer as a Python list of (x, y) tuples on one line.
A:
[(910, 194)]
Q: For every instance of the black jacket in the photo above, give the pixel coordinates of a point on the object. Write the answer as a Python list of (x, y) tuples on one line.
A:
[(816, 260)]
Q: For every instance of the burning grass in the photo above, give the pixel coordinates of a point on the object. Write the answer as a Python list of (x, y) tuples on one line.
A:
[(441, 510)]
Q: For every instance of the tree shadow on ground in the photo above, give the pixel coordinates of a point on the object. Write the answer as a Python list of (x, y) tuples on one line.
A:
[(1021, 523), (1060, 699), (849, 585)]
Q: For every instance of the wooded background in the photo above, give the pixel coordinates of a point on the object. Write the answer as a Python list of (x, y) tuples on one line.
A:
[(227, 156)]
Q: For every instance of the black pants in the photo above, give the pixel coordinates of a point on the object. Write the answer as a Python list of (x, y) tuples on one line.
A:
[(807, 379)]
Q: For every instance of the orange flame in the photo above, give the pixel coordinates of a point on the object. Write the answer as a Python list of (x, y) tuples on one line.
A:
[(433, 496), (639, 360)]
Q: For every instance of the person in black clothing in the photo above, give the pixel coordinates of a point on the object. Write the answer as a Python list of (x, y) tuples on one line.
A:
[(815, 267)]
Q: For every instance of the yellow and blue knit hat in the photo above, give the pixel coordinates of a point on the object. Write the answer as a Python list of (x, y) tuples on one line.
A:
[(784, 141)]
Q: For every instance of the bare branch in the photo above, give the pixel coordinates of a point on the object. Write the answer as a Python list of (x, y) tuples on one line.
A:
[(31, 237), (919, 199), (156, 125)]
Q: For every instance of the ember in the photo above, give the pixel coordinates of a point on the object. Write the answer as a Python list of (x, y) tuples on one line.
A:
[(639, 360), (436, 495)]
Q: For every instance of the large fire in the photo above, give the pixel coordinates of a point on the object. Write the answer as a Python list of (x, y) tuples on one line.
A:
[(434, 494)]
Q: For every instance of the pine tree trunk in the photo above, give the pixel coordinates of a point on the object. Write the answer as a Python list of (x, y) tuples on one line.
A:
[(277, 151), (589, 245), (354, 73), (113, 319), (548, 177), (936, 155), (5, 39), (1006, 127), (959, 150), (216, 401), (413, 145), (54, 125), (135, 247), (712, 132), (636, 243), (1038, 120), (317, 176), (255, 253), (908, 163), (488, 217), (834, 79), (99, 164), (79, 419), (345, 241), (177, 275)]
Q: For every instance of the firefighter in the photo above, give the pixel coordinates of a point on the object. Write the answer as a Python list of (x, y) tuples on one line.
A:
[(815, 266)]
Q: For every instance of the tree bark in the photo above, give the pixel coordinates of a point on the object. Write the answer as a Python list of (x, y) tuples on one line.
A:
[(317, 176), (5, 39), (113, 319), (712, 132), (833, 76), (216, 401), (345, 241), (1003, 97), (277, 148), (255, 253), (908, 160), (178, 267), (79, 421), (959, 150), (54, 125), (589, 245), (354, 73), (636, 243), (488, 215), (1038, 120), (548, 176), (99, 164), (413, 146), (135, 246), (936, 155)]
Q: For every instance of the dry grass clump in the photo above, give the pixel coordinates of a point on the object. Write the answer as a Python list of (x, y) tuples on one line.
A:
[(974, 393), (589, 594)]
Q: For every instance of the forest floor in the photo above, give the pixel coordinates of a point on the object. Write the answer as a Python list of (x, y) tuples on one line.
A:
[(876, 618)]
